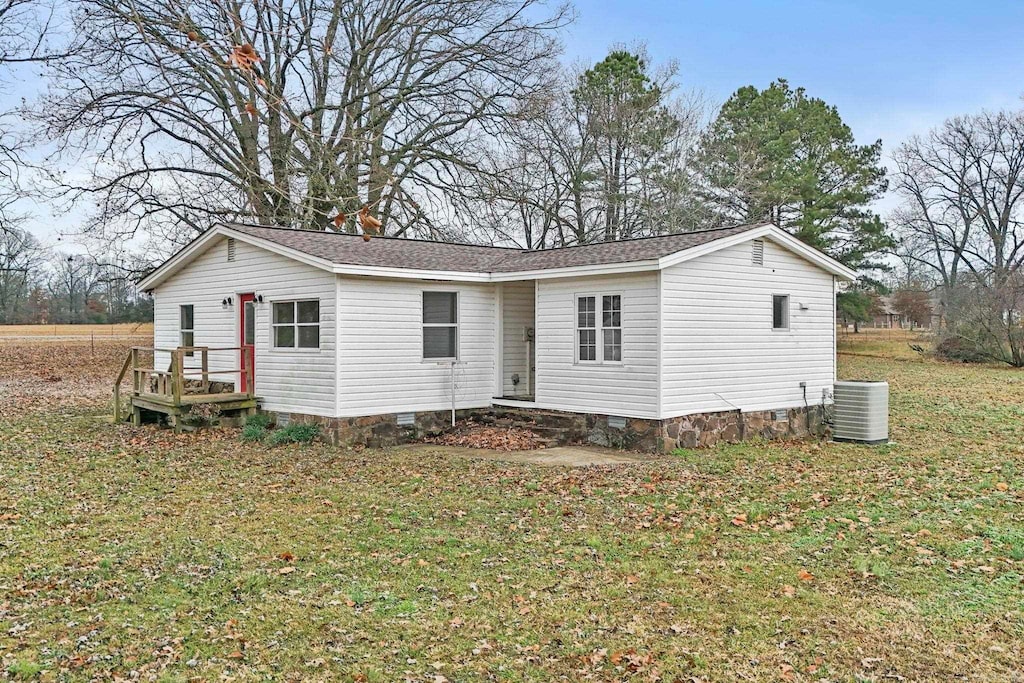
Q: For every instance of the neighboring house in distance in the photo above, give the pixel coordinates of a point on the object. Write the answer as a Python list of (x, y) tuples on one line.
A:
[(653, 343), (890, 317), (887, 317)]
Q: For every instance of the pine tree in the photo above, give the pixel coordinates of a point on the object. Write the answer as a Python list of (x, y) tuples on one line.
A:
[(779, 155)]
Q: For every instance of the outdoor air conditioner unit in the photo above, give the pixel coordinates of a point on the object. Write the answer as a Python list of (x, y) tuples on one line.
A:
[(861, 412)]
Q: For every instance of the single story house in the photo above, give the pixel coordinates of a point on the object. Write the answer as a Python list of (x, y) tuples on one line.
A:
[(651, 343)]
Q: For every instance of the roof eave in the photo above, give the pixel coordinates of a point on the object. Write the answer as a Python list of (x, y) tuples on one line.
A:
[(185, 255), (769, 230), (578, 271), (410, 273), (177, 261)]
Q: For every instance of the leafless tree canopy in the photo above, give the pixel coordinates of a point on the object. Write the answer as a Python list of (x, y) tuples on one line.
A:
[(593, 163), (24, 29), (293, 112), (963, 185), (963, 218)]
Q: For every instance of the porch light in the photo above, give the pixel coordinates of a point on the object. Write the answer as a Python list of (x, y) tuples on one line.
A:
[(228, 301)]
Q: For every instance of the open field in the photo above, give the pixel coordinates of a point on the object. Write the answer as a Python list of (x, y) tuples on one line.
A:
[(134, 552), (120, 331)]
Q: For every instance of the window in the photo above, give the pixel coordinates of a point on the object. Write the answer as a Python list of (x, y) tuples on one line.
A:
[(587, 327), (186, 324), (441, 325), (249, 322), (780, 312), (296, 324), (611, 327)]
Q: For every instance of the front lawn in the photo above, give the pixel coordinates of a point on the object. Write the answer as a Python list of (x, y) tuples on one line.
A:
[(136, 552)]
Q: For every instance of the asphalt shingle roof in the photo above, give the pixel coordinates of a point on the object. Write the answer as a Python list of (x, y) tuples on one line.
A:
[(345, 249)]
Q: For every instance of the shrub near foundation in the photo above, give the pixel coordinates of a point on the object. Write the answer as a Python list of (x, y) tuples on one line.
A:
[(294, 433), (256, 428)]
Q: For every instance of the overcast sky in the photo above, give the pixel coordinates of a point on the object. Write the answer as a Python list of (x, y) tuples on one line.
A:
[(893, 68)]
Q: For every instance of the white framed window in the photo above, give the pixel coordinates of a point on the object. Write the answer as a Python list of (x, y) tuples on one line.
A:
[(296, 324), (780, 311), (440, 325), (599, 330), (611, 328), (187, 327), (586, 329)]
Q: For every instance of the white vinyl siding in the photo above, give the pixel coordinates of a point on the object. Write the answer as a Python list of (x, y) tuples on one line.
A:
[(695, 337), (628, 388), (517, 309), (285, 381), (381, 368), (719, 349)]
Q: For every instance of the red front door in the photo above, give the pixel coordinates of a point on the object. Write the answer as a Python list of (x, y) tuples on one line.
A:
[(247, 337)]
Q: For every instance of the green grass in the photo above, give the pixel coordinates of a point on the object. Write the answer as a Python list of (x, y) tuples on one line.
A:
[(200, 556)]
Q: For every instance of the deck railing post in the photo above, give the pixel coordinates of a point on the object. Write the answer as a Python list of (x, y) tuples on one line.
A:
[(117, 387), (247, 369), (205, 356), (135, 371), (177, 377)]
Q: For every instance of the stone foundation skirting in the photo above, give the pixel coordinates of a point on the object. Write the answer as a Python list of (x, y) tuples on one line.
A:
[(378, 431), (709, 429), (689, 431)]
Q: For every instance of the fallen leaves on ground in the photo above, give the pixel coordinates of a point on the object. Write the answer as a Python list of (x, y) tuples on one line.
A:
[(471, 434), (137, 553)]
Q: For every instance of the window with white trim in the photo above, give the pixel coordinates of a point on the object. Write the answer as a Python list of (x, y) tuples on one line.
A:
[(586, 328), (296, 324), (440, 325), (187, 327), (611, 328), (599, 335), (780, 311)]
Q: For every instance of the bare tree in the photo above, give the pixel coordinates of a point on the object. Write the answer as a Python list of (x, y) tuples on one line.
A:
[(24, 28), (536, 191), (294, 112), (21, 259), (73, 284), (963, 190), (605, 156)]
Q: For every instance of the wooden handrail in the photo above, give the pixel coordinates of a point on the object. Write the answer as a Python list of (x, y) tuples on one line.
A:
[(187, 348), (170, 383), (214, 371)]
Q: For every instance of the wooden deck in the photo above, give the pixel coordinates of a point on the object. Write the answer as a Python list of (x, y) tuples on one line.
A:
[(190, 380)]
